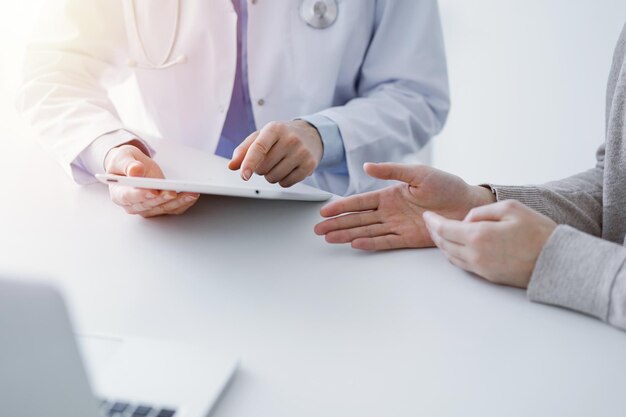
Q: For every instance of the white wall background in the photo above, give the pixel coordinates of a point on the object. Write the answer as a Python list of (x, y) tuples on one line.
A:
[(528, 80)]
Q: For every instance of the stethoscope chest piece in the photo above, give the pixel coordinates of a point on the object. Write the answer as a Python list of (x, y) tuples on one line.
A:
[(319, 14)]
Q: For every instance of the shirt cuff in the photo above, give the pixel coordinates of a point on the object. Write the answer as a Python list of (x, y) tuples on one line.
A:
[(577, 271), (334, 152), (92, 158)]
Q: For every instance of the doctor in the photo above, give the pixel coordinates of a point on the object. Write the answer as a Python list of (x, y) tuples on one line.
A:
[(286, 88)]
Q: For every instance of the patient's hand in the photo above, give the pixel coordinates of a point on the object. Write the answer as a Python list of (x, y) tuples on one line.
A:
[(500, 242), (391, 218), (129, 160)]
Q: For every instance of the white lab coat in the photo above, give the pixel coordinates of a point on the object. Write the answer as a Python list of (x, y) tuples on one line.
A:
[(379, 72)]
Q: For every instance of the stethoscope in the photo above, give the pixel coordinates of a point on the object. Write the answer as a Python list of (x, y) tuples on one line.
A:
[(318, 14), (167, 61)]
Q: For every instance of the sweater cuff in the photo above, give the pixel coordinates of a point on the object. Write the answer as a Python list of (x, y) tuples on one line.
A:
[(529, 196), (577, 271)]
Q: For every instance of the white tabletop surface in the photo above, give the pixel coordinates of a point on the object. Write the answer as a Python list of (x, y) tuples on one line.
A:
[(321, 330)]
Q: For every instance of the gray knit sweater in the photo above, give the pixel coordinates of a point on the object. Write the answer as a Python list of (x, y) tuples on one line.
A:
[(582, 265)]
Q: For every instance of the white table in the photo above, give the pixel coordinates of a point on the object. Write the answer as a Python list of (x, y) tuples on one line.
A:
[(322, 330)]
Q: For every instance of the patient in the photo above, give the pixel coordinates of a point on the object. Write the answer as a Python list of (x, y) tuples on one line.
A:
[(562, 240)]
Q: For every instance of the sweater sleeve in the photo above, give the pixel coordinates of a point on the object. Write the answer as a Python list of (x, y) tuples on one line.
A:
[(582, 273), (575, 201), (578, 200)]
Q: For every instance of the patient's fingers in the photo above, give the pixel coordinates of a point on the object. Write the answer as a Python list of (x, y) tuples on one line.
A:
[(452, 230), (450, 248), (347, 221), (461, 263), (361, 202), (345, 236), (385, 242)]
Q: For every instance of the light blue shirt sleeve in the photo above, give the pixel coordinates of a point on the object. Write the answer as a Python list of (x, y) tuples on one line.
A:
[(334, 158)]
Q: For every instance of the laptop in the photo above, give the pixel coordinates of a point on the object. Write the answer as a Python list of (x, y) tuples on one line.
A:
[(45, 370)]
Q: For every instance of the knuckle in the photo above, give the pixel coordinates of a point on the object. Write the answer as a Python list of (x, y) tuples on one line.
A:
[(155, 203), (302, 154), (309, 166), (510, 205), (476, 238), (483, 236), (292, 140), (300, 173), (261, 147), (274, 127), (173, 206), (262, 170)]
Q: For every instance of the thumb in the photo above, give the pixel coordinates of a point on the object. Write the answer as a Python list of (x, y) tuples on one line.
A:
[(410, 174), (125, 163), (136, 169)]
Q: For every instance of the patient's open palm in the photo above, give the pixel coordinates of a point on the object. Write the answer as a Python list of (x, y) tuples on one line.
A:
[(392, 217)]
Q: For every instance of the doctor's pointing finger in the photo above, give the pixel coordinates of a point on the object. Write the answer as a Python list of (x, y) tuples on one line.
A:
[(291, 90), (285, 153)]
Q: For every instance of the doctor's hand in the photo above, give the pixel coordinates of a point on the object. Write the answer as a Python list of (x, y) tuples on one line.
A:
[(500, 242), (129, 160), (283, 152), (391, 218)]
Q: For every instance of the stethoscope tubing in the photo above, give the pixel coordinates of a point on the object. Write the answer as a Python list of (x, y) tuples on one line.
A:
[(312, 19), (166, 62)]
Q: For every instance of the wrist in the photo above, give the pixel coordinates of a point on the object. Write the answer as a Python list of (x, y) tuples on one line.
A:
[(318, 142), (483, 195)]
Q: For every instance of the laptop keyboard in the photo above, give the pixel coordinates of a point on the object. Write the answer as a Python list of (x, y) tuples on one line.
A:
[(123, 409)]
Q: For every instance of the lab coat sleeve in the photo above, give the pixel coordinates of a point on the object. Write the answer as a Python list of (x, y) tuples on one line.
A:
[(91, 160), (75, 56), (402, 93)]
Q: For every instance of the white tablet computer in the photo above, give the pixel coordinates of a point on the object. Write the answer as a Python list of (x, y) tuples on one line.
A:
[(298, 192)]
